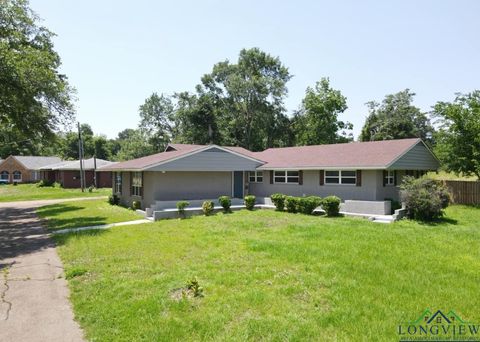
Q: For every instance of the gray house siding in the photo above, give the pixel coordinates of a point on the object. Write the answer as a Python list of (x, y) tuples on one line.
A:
[(173, 186), (388, 191), (418, 158), (209, 160), (311, 186)]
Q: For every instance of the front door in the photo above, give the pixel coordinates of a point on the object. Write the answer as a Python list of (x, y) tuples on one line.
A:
[(238, 184)]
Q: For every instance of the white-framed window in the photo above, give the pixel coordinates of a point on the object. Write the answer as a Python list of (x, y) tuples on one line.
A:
[(287, 177), (17, 176), (35, 175), (255, 176), (389, 177), (4, 176), (137, 184), (118, 182), (345, 177)]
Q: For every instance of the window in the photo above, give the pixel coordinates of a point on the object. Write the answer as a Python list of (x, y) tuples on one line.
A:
[(341, 177), (137, 184), (389, 177), (4, 175), (17, 176), (255, 176), (35, 175), (118, 182), (289, 177)]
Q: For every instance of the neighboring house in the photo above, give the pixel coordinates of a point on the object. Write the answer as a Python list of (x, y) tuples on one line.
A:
[(353, 171), (67, 173), (23, 169)]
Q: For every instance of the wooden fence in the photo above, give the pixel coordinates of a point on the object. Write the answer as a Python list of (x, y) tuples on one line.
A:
[(464, 192)]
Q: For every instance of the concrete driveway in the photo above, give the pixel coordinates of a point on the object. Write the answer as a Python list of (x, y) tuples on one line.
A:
[(34, 303)]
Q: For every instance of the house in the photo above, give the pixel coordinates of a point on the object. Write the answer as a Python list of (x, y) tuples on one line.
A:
[(368, 171), (23, 169), (67, 173)]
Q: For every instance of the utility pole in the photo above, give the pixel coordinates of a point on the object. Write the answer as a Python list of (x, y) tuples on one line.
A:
[(80, 158)]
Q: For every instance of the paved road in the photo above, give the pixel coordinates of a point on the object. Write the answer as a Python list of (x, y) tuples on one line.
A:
[(34, 303)]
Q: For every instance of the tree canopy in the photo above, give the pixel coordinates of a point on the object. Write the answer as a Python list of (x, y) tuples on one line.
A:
[(317, 120), (35, 98), (458, 138), (396, 118)]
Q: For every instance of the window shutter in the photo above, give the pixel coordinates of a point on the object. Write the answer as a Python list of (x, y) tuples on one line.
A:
[(271, 176), (359, 178), (395, 177), (141, 189), (322, 177), (121, 182), (300, 177), (131, 183), (384, 177)]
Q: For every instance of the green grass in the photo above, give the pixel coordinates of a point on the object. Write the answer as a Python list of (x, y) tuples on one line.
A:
[(443, 175), (84, 213), (30, 192), (272, 276)]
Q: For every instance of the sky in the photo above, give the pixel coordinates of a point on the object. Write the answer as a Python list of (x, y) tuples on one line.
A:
[(117, 53)]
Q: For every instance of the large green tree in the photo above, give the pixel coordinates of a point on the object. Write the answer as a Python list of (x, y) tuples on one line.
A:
[(396, 118), (317, 120), (248, 98), (458, 138), (156, 114), (35, 98), (133, 144)]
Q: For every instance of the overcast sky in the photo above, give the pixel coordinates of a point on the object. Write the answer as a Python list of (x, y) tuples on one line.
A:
[(116, 53)]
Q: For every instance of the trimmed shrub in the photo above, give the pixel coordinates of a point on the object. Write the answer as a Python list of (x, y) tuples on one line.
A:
[(331, 205), (306, 205), (424, 198), (279, 201), (249, 201), (44, 183), (91, 188), (207, 208), (113, 200), (225, 202), (181, 205), (291, 203), (136, 205)]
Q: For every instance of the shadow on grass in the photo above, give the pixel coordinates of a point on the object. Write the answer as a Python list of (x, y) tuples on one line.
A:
[(75, 222), (62, 239), (57, 209), (439, 222)]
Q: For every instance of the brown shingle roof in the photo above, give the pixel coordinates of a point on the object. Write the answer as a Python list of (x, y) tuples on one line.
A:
[(374, 154), (355, 155)]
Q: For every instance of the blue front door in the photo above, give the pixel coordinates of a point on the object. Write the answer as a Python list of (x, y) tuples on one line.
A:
[(238, 184)]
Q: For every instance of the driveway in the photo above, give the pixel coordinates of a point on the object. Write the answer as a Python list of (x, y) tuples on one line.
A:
[(34, 303)]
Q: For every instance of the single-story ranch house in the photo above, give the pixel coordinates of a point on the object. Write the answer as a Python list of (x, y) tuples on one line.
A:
[(67, 173), (23, 169), (369, 171)]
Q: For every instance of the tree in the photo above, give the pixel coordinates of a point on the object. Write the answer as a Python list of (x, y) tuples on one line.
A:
[(317, 120), (35, 99), (248, 97), (458, 138), (135, 145), (396, 118), (156, 115)]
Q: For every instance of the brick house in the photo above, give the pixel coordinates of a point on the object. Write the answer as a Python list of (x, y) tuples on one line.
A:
[(23, 169), (67, 173)]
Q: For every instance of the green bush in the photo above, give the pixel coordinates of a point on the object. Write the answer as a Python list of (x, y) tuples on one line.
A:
[(279, 201), (207, 208), (225, 202), (306, 205), (113, 200), (331, 205), (91, 188), (44, 183), (424, 198), (249, 201), (181, 205), (291, 203), (136, 205)]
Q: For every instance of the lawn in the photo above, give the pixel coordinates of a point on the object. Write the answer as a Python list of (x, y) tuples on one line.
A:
[(30, 192), (84, 213), (271, 276)]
